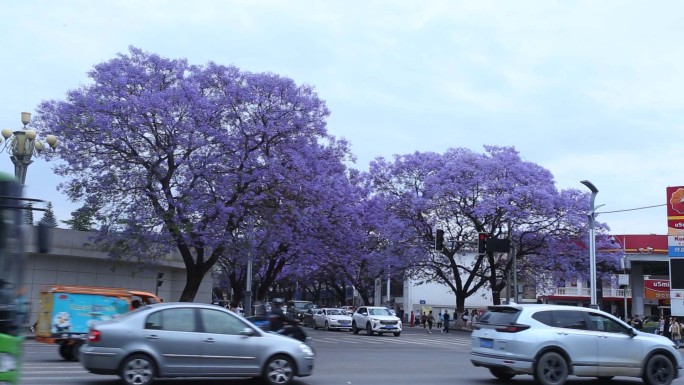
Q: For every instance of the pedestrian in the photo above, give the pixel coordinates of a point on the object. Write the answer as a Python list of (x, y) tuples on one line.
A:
[(473, 317), (440, 321), (637, 323), (430, 321), (412, 319), (446, 321), (676, 331), (464, 317), (666, 328), (661, 326), (423, 320)]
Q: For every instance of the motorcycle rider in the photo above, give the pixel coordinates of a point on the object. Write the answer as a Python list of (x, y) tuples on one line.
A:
[(282, 323)]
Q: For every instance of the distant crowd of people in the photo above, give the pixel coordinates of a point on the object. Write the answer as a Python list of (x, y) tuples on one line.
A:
[(232, 306), (667, 326), (444, 319)]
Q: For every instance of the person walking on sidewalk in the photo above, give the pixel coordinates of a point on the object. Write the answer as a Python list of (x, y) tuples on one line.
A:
[(474, 315), (412, 319), (440, 321), (676, 331), (446, 321), (430, 321)]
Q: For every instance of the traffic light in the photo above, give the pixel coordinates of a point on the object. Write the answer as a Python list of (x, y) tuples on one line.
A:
[(439, 240), (159, 279), (482, 243)]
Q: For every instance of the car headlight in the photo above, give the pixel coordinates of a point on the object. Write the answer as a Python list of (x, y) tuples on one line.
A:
[(7, 362), (306, 349)]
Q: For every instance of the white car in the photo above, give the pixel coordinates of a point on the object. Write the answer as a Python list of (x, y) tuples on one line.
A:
[(375, 319), (332, 318), (552, 342)]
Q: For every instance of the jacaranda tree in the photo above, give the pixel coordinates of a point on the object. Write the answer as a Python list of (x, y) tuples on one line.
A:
[(186, 158), (498, 193)]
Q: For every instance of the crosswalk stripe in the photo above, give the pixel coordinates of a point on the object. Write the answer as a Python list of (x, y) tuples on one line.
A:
[(395, 341)]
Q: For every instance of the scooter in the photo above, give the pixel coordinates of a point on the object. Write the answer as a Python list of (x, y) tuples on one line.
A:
[(295, 331)]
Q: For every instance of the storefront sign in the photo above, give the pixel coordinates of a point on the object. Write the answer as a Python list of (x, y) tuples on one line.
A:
[(675, 245), (656, 288)]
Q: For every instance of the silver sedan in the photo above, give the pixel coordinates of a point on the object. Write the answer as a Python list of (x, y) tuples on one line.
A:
[(192, 340)]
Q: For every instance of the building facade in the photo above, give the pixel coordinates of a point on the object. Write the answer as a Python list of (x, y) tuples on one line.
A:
[(70, 261), (646, 264)]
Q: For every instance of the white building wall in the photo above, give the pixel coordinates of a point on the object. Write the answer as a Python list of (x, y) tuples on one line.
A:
[(436, 296)]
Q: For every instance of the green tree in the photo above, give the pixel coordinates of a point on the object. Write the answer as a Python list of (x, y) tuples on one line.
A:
[(82, 219), (29, 214), (49, 216)]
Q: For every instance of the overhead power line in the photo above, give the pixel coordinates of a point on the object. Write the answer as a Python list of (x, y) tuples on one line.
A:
[(637, 208)]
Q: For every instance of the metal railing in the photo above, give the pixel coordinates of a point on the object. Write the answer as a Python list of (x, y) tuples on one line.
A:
[(584, 292)]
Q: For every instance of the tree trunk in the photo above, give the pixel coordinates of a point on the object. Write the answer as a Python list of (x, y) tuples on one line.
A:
[(193, 279)]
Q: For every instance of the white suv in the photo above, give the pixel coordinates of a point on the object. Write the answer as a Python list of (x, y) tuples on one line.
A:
[(375, 319), (551, 342)]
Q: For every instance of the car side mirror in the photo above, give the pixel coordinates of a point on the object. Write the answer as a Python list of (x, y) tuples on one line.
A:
[(364, 313), (247, 332)]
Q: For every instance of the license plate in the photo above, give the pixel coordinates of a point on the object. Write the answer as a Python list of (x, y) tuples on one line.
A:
[(388, 327), (487, 343)]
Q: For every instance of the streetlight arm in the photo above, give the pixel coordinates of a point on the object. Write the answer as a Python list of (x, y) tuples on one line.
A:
[(590, 186)]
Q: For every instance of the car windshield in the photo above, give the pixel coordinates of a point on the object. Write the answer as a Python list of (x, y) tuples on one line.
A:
[(302, 305), (336, 312), (379, 312)]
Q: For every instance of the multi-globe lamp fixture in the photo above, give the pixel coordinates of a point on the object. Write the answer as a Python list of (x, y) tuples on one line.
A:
[(22, 145)]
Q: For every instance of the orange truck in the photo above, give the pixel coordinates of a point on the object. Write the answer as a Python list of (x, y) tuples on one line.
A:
[(66, 313)]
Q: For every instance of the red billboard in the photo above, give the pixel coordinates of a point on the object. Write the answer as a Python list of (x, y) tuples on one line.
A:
[(657, 288), (675, 210)]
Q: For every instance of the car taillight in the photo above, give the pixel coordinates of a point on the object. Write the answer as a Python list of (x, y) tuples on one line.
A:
[(94, 335), (512, 328)]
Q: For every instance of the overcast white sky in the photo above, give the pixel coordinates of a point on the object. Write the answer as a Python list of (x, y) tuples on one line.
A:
[(589, 90)]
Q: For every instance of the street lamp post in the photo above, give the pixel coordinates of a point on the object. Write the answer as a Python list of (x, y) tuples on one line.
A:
[(592, 242), (22, 145), (248, 292)]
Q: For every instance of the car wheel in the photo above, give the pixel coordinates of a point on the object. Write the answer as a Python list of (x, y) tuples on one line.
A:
[(369, 330), (355, 330), (75, 351), (315, 325), (551, 369), (501, 374), (138, 369), (659, 371), (397, 334), (279, 370), (65, 351), (327, 326)]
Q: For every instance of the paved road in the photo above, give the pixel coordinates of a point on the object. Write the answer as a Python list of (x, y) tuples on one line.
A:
[(342, 359)]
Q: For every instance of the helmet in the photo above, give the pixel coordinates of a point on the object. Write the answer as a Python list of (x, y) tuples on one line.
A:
[(278, 301)]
